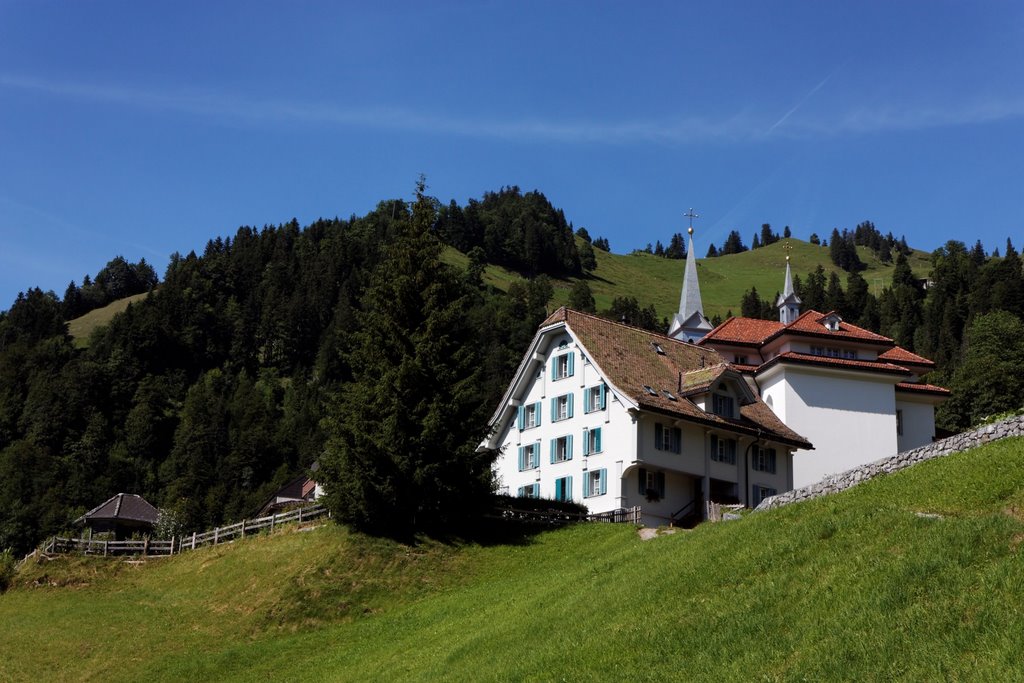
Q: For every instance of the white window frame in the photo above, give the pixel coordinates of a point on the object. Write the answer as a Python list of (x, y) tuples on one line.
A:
[(562, 407), (764, 459), (531, 456), (529, 491), (562, 453), (759, 493), (530, 414), (594, 440), (592, 399), (593, 481)]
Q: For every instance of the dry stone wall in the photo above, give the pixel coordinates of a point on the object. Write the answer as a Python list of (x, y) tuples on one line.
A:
[(1012, 426)]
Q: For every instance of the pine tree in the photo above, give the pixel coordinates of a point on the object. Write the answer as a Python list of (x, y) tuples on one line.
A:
[(581, 298), (402, 453)]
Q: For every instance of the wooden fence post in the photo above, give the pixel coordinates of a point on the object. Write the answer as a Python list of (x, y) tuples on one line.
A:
[(216, 535), (105, 548), (300, 514), (193, 540), (243, 528), (273, 518)]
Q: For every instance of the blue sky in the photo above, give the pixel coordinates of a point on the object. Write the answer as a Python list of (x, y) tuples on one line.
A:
[(141, 129)]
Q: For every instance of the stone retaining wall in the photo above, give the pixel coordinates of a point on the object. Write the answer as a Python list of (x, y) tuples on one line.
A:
[(1012, 426)]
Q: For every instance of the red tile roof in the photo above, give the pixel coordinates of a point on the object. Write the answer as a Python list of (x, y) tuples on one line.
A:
[(755, 332), (743, 331), (828, 361), (922, 388), (629, 361), (898, 354)]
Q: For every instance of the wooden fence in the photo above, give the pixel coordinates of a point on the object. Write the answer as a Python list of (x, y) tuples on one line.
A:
[(150, 548)]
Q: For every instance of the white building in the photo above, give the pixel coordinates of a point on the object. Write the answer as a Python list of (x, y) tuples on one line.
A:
[(855, 394), (615, 416)]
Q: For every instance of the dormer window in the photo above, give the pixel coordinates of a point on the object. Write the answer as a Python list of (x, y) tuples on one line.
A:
[(723, 405), (739, 360), (650, 390), (832, 322)]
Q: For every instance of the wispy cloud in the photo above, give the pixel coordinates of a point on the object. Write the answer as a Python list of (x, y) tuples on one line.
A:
[(745, 126), (803, 100)]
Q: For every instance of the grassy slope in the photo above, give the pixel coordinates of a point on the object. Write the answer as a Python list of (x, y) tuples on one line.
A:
[(80, 328), (723, 280), (856, 586)]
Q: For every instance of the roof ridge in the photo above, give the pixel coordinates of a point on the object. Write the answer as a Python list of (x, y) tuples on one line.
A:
[(634, 327)]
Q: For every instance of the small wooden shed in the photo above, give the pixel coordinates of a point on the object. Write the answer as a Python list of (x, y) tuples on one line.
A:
[(123, 514)]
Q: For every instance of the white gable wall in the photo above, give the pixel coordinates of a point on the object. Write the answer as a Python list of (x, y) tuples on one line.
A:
[(618, 442), (850, 419)]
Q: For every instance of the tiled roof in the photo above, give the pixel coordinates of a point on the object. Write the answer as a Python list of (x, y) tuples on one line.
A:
[(922, 388), (630, 361), (828, 361), (812, 323), (123, 506), (755, 332), (898, 354), (745, 331)]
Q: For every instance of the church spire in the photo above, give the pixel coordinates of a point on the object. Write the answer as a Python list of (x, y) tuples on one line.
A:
[(788, 302), (689, 324)]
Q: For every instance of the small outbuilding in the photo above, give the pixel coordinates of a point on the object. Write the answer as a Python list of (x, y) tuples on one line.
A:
[(123, 514)]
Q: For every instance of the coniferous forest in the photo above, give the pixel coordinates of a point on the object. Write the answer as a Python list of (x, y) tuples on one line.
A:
[(350, 342)]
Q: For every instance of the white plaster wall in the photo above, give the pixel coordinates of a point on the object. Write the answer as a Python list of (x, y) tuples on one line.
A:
[(918, 423), (618, 440), (679, 491), (849, 421)]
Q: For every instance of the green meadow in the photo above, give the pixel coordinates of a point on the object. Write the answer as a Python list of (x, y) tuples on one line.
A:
[(916, 576)]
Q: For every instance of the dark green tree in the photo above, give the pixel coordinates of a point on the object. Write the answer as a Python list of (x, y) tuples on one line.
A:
[(581, 298), (402, 451)]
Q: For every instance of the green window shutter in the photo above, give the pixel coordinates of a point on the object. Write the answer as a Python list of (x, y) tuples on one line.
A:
[(536, 412), (568, 447), (568, 488), (658, 435), (771, 460), (568, 400), (602, 390), (661, 484), (642, 478), (586, 442), (714, 447), (597, 440), (554, 367), (677, 440), (522, 458), (554, 408), (522, 417), (730, 449), (603, 474), (554, 447), (571, 364)]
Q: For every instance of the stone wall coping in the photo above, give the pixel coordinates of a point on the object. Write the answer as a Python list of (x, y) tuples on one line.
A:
[(1011, 426)]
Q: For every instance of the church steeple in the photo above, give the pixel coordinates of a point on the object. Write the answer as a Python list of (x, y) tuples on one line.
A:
[(788, 303), (689, 324)]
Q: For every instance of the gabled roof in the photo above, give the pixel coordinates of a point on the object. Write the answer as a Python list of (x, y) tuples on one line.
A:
[(743, 332), (126, 507), (755, 332), (628, 359), (812, 323)]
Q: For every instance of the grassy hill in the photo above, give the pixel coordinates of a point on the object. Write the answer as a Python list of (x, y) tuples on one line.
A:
[(651, 279), (915, 576), (723, 280)]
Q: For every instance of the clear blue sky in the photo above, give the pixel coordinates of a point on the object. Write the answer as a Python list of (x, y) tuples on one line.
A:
[(140, 129)]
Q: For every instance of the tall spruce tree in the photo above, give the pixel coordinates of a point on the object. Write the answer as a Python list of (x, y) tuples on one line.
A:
[(403, 433)]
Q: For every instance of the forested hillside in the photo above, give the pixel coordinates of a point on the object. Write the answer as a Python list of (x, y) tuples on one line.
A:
[(212, 390)]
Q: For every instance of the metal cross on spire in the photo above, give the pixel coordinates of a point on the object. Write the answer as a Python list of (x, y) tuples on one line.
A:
[(787, 247), (691, 215)]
